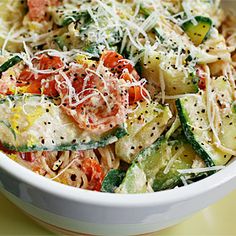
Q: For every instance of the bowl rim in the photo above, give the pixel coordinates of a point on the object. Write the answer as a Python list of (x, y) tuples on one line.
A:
[(166, 197), (26, 176)]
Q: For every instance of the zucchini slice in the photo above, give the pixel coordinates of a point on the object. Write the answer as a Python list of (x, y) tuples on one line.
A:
[(175, 81), (35, 123), (144, 127), (65, 42), (193, 116), (228, 131), (142, 172), (9, 63), (199, 32), (156, 168), (182, 157), (225, 93), (112, 180)]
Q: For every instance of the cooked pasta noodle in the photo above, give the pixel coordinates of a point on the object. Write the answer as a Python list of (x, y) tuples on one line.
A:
[(65, 167)]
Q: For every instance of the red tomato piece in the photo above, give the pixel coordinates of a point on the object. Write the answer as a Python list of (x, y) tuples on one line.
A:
[(50, 62), (27, 156), (94, 173), (25, 75), (5, 150), (135, 92), (97, 111), (116, 62), (202, 78), (202, 83), (34, 83)]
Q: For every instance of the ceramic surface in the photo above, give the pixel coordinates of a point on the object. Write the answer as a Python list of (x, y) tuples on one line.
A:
[(108, 214), (216, 220)]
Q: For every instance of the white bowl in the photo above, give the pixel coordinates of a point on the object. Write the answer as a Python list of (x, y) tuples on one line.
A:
[(98, 213)]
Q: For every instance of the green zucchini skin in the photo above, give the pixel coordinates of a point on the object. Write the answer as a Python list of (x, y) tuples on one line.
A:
[(166, 182), (79, 146), (211, 156), (45, 127), (63, 43), (63, 19), (190, 136), (158, 34), (210, 140), (143, 169), (200, 32), (151, 170), (185, 160), (144, 127), (9, 63), (112, 180)]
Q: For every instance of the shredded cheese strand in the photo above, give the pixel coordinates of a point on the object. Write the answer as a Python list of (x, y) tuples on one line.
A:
[(200, 170)]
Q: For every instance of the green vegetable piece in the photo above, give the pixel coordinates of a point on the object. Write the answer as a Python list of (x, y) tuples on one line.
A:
[(10, 63), (175, 81), (61, 42), (193, 116), (146, 13), (157, 167), (112, 180), (144, 126), (199, 32), (20, 127), (144, 169), (170, 177)]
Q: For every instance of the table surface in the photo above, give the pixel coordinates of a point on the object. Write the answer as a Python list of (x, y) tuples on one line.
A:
[(218, 219)]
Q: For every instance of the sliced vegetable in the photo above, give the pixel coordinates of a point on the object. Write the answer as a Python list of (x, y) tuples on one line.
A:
[(228, 131), (226, 105), (112, 180), (94, 173), (116, 62), (125, 70), (175, 81), (144, 126), (140, 176), (182, 157), (157, 167), (66, 42), (35, 123), (37, 9), (136, 93), (92, 48), (9, 63), (193, 116), (200, 31)]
